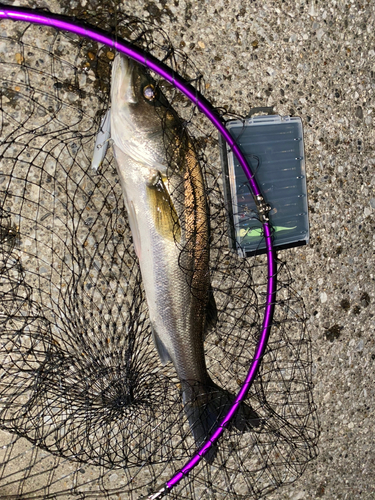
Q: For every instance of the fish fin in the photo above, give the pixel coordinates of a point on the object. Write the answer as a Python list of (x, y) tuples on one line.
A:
[(206, 405), (163, 211), (245, 417), (202, 420), (211, 311), (160, 347)]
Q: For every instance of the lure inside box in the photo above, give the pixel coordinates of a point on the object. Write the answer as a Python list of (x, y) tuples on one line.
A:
[(274, 148)]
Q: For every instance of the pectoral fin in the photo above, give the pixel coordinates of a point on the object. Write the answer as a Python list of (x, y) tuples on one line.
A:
[(162, 208)]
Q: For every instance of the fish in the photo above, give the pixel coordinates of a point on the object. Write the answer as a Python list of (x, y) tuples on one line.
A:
[(165, 198)]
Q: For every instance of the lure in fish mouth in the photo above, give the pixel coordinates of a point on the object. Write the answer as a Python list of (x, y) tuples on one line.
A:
[(165, 198)]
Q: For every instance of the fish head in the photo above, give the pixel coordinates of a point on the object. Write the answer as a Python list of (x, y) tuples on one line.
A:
[(140, 114)]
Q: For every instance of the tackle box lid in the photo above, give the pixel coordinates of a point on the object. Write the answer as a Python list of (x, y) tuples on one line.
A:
[(274, 148)]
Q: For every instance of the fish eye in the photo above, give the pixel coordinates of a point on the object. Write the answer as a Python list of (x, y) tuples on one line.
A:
[(149, 92)]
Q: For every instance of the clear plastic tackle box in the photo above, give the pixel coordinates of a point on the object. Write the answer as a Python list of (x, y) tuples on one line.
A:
[(274, 148)]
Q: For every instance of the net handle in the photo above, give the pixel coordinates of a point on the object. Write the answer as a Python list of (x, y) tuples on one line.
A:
[(149, 61)]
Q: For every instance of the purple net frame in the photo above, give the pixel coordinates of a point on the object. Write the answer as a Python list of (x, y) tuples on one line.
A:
[(147, 60)]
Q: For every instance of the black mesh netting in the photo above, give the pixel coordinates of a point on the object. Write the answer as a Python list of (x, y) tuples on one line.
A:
[(86, 409)]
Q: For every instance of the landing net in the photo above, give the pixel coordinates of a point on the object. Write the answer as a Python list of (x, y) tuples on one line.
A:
[(86, 409)]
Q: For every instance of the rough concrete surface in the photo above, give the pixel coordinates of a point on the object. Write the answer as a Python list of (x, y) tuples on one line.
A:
[(315, 60)]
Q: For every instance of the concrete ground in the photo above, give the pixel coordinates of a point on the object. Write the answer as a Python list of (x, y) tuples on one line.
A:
[(315, 60)]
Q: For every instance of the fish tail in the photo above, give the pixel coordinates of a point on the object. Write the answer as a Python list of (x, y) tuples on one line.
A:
[(206, 405)]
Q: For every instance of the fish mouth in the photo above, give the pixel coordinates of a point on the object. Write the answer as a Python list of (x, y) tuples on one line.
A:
[(124, 75)]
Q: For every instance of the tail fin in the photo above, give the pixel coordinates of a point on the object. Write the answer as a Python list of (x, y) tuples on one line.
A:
[(206, 405)]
